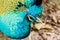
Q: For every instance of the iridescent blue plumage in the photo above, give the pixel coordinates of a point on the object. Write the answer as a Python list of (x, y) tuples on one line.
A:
[(36, 11), (29, 3), (15, 24)]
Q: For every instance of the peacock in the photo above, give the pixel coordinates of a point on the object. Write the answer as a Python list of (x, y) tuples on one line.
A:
[(15, 23)]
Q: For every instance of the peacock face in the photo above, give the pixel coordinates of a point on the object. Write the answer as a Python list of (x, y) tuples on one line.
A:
[(34, 7)]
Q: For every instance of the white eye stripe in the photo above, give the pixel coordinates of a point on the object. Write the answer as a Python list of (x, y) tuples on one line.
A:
[(31, 18)]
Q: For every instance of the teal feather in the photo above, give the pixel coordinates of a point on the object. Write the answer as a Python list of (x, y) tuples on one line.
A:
[(36, 11), (15, 24), (28, 3)]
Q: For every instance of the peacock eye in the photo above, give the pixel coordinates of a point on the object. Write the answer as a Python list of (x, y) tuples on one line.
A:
[(38, 2), (31, 18)]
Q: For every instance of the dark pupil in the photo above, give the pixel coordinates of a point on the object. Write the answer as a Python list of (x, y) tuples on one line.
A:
[(38, 2)]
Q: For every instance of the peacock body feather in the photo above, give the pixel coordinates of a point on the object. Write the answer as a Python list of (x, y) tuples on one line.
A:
[(15, 24)]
